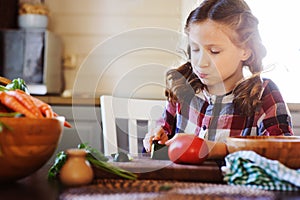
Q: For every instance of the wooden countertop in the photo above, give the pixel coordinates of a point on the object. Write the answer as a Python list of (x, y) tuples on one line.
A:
[(59, 100)]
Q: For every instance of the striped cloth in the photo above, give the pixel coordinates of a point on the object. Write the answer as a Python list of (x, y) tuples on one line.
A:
[(250, 169)]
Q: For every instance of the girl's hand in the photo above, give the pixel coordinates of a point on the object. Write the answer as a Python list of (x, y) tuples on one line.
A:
[(159, 135)]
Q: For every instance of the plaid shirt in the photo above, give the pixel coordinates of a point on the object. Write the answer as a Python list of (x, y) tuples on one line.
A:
[(215, 117)]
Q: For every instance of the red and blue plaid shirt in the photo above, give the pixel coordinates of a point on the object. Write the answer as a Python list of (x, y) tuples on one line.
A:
[(215, 117)]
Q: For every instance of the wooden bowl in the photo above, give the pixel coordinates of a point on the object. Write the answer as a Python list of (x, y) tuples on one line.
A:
[(27, 145), (285, 149)]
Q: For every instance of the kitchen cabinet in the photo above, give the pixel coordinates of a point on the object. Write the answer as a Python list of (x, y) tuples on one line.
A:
[(296, 122), (86, 127)]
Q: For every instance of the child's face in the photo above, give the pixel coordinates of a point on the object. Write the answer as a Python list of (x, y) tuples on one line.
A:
[(216, 60)]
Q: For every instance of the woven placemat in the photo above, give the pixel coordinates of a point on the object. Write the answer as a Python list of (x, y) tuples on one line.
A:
[(156, 189)]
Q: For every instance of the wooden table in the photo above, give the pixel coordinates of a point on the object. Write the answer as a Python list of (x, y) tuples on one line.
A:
[(34, 187), (37, 187)]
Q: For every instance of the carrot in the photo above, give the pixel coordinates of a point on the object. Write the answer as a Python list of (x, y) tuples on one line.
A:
[(31, 107), (24, 99), (12, 103), (66, 124), (45, 109)]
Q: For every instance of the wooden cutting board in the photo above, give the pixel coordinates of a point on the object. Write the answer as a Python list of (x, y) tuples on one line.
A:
[(147, 168)]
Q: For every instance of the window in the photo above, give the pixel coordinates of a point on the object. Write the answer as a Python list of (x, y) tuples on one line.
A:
[(278, 24)]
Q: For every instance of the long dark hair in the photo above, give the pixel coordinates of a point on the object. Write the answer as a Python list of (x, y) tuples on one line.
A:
[(236, 15)]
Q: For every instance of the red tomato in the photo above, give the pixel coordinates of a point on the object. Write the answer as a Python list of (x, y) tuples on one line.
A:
[(188, 149)]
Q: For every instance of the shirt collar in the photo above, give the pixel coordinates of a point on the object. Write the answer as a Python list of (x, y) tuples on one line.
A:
[(211, 99)]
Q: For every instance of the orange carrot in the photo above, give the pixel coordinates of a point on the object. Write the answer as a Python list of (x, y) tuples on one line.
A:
[(31, 107), (26, 101), (66, 124), (12, 103), (45, 109)]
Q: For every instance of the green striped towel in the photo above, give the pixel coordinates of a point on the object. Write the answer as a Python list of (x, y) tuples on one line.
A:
[(250, 169)]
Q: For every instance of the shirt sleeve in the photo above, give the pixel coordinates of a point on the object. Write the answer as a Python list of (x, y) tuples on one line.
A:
[(168, 119), (274, 117)]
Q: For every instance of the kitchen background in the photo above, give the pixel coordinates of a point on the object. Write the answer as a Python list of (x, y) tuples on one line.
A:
[(85, 27), (94, 60), (82, 26)]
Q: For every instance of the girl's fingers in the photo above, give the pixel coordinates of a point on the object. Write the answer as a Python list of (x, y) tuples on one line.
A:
[(163, 139), (168, 142), (147, 142), (160, 135), (175, 137)]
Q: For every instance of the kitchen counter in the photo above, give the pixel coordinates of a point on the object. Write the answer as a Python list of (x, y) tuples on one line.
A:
[(59, 100)]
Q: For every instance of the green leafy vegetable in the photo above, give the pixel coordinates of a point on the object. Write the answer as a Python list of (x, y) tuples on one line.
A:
[(60, 160), (17, 84), (93, 152), (112, 169), (2, 126), (96, 158), (11, 114), (3, 88)]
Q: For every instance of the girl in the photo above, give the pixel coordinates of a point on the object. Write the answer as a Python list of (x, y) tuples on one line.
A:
[(210, 96)]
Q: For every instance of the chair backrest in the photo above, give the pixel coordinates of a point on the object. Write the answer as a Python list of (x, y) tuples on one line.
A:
[(125, 122)]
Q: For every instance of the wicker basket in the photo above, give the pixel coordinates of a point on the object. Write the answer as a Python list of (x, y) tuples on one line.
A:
[(285, 149)]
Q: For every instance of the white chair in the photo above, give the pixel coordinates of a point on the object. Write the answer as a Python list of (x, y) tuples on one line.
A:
[(125, 122)]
